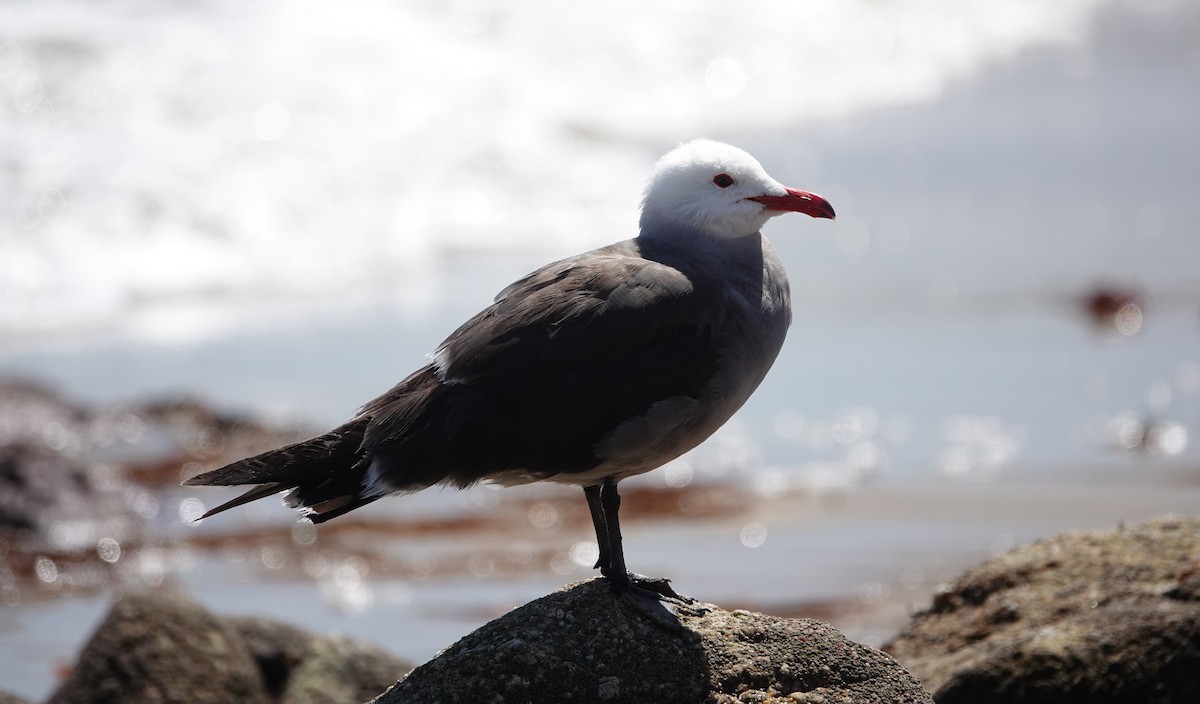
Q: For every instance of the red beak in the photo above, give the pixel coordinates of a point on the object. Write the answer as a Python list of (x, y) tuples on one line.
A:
[(799, 202)]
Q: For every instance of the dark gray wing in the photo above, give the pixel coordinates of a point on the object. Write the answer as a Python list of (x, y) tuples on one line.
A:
[(537, 379)]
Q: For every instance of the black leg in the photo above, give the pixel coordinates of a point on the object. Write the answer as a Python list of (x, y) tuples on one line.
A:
[(652, 597), (610, 505), (612, 551), (593, 498)]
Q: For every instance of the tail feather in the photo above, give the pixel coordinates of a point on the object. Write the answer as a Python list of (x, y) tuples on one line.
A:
[(332, 497), (323, 513), (258, 492), (321, 457), (325, 474)]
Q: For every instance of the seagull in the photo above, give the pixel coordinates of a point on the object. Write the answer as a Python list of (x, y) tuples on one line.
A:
[(592, 369)]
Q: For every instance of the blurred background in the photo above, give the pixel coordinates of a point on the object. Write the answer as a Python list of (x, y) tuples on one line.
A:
[(223, 225)]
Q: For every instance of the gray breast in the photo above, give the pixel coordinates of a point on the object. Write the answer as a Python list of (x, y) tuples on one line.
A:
[(746, 287)]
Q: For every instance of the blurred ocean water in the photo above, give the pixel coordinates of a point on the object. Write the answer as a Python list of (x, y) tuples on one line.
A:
[(164, 157), (282, 208)]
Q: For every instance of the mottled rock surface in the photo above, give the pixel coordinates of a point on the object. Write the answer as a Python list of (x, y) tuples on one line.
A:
[(339, 670), (301, 668), (1097, 618), (159, 649), (277, 649), (582, 644)]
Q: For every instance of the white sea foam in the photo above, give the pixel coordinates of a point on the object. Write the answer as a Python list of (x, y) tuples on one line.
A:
[(157, 153)]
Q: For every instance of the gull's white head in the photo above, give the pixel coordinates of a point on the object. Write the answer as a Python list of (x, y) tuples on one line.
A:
[(719, 190)]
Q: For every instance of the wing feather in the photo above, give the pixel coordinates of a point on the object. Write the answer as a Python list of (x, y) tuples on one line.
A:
[(536, 380)]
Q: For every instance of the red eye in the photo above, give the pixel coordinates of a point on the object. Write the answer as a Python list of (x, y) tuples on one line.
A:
[(723, 180)]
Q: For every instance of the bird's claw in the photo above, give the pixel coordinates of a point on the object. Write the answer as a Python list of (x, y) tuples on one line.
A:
[(655, 599), (660, 586), (661, 612)]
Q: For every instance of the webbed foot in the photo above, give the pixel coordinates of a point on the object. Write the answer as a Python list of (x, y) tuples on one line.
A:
[(653, 598)]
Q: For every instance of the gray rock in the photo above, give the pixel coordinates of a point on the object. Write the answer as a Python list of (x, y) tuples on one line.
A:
[(301, 668), (160, 649), (9, 698), (582, 644), (277, 649), (339, 670), (1097, 618), (52, 501), (71, 475)]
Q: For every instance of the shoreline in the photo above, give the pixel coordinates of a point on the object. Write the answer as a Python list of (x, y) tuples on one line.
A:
[(864, 560)]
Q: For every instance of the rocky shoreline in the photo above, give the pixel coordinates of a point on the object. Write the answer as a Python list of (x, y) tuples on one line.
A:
[(163, 647), (1112, 616), (1096, 617), (1080, 617)]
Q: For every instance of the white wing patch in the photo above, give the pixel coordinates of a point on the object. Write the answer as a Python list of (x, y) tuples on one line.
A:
[(373, 482), (440, 359)]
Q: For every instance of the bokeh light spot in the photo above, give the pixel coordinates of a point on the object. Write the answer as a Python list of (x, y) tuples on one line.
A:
[(1169, 439), (872, 592), (190, 509), (584, 553), (678, 474), (272, 557), (46, 570), (543, 515), (108, 549), (753, 535), (304, 532), (1128, 320)]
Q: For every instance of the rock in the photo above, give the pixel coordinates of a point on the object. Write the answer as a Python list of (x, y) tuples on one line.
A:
[(52, 501), (301, 668), (1097, 618), (146, 444), (277, 649), (59, 517), (583, 644), (339, 670), (81, 487), (160, 649), (8, 698)]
